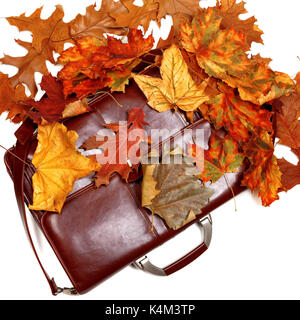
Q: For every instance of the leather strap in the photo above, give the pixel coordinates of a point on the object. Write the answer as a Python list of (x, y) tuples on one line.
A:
[(24, 135)]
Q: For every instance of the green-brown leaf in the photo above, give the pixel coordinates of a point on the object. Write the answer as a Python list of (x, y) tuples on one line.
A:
[(180, 192)]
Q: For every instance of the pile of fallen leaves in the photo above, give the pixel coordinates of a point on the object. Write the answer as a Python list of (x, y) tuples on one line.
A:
[(205, 67)]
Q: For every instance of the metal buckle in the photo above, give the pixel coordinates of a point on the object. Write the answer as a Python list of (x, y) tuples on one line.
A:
[(67, 291)]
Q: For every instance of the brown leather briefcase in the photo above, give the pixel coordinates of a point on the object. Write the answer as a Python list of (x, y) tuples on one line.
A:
[(100, 231)]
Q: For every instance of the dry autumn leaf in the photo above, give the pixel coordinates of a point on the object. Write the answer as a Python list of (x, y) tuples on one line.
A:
[(222, 157), (290, 174), (240, 118), (180, 11), (177, 193), (288, 132), (55, 107), (176, 88), (58, 165), (175, 7), (53, 29), (34, 61), (263, 174), (265, 85), (128, 15), (230, 11), (121, 151), (94, 64), (95, 23), (287, 123), (222, 54), (10, 99)]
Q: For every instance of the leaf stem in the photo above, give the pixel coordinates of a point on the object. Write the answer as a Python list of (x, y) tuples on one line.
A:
[(153, 65), (152, 223), (106, 93), (229, 186)]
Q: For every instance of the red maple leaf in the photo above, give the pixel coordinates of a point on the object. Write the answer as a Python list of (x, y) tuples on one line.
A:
[(122, 152)]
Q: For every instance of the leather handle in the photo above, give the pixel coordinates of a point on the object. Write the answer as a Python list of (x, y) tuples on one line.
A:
[(145, 264)]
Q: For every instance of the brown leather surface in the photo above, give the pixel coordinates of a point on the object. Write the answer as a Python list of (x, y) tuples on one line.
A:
[(101, 231)]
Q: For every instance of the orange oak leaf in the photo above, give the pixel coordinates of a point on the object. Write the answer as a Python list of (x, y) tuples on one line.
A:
[(230, 11), (181, 11), (222, 157), (95, 23), (109, 62), (54, 106), (287, 123), (10, 100), (290, 174), (222, 54), (122, 152), (240, 118), (288, 132), (53, 29), (33, 62), (128, 15), (58, 165), (175, 7), (264, 174)]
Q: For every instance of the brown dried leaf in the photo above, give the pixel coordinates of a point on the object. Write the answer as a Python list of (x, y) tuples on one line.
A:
[(180, 192), (128, 15), (33, 62), (175, 7), (53, 29), (290, 174), (230, 11), (94, 23), (10, 99)]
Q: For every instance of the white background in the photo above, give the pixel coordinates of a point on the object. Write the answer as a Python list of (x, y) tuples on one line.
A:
[(254, 252)]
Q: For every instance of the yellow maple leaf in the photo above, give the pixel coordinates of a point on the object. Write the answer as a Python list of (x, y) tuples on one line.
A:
[(176, 88), (58, 164)]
